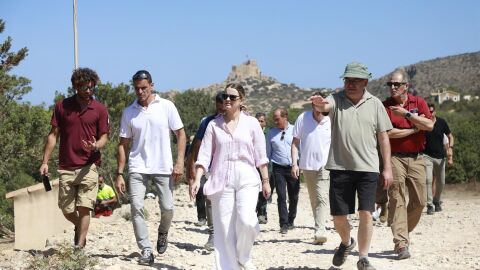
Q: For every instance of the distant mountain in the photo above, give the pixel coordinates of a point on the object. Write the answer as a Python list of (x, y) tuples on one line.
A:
[(460, 73)]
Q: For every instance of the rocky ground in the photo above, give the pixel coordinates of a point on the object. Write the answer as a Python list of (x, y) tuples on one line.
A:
[(445, 240)]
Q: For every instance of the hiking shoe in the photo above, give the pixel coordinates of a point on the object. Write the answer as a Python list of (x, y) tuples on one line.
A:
[(384, 213), (146, 258), (290, 225), (201, 222), (430, 210), (284, 229), (162, 242), (341, 253), (364, 264), (262, 219), (403, 253), (438, 206), (209, 245)]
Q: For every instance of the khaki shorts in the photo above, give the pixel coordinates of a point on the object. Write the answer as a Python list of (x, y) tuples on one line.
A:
[(77, 188)]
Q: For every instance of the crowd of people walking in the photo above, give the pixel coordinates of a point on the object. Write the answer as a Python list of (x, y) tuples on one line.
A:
[(354, 152)]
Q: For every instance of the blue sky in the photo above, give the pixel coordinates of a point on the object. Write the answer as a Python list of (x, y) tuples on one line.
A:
[(194, 43)]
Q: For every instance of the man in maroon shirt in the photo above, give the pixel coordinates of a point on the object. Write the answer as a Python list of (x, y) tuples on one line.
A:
[(81, 122), (410, 118)]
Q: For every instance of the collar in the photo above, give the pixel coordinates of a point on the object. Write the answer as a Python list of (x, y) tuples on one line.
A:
[(157, 98)]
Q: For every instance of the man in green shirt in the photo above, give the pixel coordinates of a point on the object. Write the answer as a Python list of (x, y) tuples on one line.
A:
[(106, 199)]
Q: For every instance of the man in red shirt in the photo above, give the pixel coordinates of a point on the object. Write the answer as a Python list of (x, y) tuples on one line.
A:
[(81, 122), (410, 118)]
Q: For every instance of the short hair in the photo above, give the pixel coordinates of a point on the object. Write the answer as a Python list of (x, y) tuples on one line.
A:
[(142, 75), (83, 76), (283, 112), (431, 105), (403, 72), (259, 114), (218, 97)]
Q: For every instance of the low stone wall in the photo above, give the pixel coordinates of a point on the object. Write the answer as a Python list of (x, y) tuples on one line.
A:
[(37, 216)]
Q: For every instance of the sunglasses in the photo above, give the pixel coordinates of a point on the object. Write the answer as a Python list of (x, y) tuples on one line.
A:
[(395, 84), (283, 136), (141, 75), (231, 97), (86, 87), (352, 81)]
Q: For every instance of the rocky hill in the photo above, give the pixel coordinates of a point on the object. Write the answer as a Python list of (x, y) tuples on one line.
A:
[(460, 73)]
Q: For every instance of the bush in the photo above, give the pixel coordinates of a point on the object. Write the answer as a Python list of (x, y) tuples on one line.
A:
[(65, 258)]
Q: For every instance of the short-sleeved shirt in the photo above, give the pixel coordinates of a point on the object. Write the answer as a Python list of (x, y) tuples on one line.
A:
[(279, 145), (149, 128), (435, 145), (314, 139), (76, 125), (414, 143), (354, 130), (106, 193)]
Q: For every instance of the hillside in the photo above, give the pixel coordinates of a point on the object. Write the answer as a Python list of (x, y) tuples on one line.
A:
[(459, 73)]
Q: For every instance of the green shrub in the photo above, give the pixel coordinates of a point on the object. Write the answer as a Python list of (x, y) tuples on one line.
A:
[(65, 258)]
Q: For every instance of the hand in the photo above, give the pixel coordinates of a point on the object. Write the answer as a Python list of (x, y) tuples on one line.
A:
[(450, 162), (318, 100), (266, 190), (90, 145), (295, 172), (43, 169), (177, 171), (120, 184), (193, 189), (387, 176), (399, 111)]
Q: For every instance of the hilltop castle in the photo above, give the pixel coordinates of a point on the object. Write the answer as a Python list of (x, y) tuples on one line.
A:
[(248, 69)]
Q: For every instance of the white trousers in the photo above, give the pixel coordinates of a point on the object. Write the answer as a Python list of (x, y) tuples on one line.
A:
[(234, 218)]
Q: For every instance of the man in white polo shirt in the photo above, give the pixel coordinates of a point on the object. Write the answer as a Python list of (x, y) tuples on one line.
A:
[(312, 134), (145, 136)]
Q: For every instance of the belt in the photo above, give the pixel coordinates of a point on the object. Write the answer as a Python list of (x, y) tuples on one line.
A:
[(281, 166), (412, 155)]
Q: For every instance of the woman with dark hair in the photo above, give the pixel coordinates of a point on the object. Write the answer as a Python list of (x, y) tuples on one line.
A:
[(232, 148)]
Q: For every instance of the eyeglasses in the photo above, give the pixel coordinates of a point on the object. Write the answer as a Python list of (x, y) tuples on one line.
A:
[(352, 81), (395, 84), (231, 97), (86, 87), (283, 136), (141, 75)]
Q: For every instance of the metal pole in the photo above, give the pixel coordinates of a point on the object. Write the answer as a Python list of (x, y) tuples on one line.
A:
[(75, 47)]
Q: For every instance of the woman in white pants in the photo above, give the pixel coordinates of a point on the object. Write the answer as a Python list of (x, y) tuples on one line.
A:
[(232, 148)]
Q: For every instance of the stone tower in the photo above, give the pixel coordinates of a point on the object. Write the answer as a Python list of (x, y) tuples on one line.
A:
[(246, 70)]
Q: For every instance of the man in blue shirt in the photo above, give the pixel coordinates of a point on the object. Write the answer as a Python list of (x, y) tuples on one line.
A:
[(279, 143)]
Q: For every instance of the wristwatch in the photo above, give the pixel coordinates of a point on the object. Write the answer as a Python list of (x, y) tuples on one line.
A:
[(408, 115)]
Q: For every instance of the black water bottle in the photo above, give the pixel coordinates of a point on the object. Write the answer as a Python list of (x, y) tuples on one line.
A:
[(46, 183)]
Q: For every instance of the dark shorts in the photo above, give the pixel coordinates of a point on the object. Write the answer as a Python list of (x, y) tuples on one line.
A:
[(343, 187)]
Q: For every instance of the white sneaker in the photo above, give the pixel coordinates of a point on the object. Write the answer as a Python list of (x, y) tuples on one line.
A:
[(248, 266)]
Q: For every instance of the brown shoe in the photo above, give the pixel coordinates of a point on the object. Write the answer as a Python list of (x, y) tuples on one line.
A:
[(403, 253)]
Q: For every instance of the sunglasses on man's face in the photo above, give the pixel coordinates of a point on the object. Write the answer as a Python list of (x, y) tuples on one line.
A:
[(395, 84), (283, 136), (86, 87), (231, 97)]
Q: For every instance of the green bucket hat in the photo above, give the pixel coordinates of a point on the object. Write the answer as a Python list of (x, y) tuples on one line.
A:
[(356, 70)]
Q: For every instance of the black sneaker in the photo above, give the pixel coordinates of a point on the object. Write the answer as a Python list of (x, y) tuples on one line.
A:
[(403, 253), (438, 206), (284, 229), (162, 242), (430, 210), (146, 258), (342, 252), (262, 219), (290, 225), (364, 264)]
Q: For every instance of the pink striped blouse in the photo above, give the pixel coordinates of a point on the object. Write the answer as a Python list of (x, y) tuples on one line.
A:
[(220, 149)]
